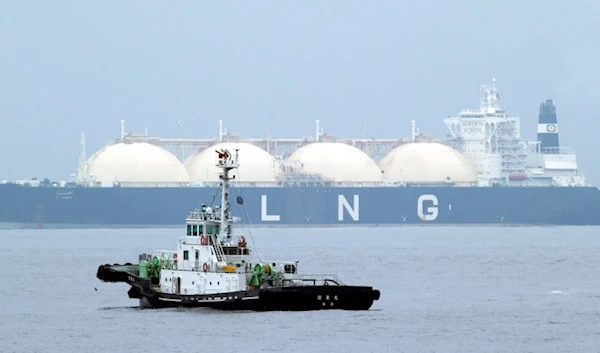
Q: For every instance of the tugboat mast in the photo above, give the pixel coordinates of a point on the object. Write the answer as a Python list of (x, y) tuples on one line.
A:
[(226, 162)]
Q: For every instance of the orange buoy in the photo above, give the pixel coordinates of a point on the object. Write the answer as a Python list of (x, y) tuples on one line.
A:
[(203, 240), (205, 267)]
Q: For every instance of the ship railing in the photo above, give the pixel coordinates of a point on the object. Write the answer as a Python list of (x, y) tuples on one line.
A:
[(157, 184), (218, 248), (160, 253), (557, 150), (204, 216), (298, 183), (170, 257), (321, 279), (426, 184), (470, 111)]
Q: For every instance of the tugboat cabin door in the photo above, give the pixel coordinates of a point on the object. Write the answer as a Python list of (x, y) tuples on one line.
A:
[(176, 285), (186, 260)]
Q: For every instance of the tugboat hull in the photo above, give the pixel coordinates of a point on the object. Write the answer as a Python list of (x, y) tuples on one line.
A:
[(318, 298), (275, 299), (294, 298)]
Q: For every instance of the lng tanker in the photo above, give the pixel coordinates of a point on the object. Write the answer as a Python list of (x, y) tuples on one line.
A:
[(484, 173)]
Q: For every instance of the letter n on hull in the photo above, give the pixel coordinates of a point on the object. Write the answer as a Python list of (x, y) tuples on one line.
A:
[(264, 216), (353, 211)]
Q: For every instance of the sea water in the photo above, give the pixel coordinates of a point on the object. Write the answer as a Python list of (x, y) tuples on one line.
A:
[(443, 289)]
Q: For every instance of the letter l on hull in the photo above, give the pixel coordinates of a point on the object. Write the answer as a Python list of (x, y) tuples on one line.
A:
[(263, 211)]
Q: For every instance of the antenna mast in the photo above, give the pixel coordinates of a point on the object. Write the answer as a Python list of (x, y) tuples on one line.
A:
[(268, 140), (82, 168), (319, 132), (222, 131), (489, 98), (226, 162)]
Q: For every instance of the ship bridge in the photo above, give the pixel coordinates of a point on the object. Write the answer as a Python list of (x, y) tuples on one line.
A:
[(489, 138)]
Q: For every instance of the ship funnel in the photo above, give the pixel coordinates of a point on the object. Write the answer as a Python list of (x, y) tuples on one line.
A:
[(548, 128)]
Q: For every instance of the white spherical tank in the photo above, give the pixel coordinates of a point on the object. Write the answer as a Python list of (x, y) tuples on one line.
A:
[(337, 161), (136, 162), (256, 164), (428, 162)]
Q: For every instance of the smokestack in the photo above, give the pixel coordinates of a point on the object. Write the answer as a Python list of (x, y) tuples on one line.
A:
[(548, 128)]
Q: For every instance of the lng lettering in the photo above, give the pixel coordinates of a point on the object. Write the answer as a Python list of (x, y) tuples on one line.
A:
[(264, 216), (344, 204), (429, 213)]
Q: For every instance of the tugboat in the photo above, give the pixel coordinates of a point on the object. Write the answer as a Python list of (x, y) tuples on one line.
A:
[(213, 267)]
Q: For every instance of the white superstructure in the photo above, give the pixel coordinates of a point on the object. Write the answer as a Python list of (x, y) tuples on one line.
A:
[(212, 259), (556, 168), (489, 138)]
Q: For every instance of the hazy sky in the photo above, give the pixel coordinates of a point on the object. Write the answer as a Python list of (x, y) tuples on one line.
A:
[(68, 67)]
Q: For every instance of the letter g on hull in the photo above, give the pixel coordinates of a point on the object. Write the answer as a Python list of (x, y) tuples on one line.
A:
[(429, 213)]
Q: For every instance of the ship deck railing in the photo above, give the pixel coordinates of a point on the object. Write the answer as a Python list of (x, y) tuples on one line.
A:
[(200, 215), (197, 267), (281, 184), (294, 183), (325, 279), (160, 253)]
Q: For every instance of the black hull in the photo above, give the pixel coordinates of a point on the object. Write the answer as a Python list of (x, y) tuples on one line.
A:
[(298, 298)]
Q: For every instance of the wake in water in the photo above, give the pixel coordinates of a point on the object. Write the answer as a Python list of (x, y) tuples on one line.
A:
[(558, 292), (118, 307)]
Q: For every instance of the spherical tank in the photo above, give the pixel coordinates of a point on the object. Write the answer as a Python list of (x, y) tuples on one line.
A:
[(427, 162), (136, 162), (337, 161), (256, 164)]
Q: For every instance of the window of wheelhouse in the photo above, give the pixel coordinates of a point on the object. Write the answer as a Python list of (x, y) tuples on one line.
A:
[(209, 229), (189, 229), (229, 229), (195, 229)]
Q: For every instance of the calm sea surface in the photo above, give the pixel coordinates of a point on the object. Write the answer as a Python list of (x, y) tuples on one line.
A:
[(445, 289)]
